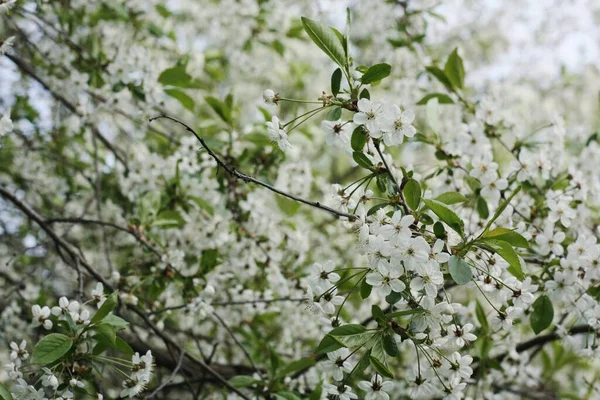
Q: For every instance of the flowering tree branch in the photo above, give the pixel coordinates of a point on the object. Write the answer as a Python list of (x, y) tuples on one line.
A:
[(247, 178)]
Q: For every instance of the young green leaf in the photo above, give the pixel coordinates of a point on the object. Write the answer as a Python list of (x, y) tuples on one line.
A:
[(109, 304), (390, 346), (451, 198), (334, 114), (364, 94), (446, 215), (460, 270), (288, 206), (481, 317), (50, 348), (4, 393), (336, 81), (507, 235), (359, 138), (442, 99), (506, 251), (220, 108), (297, 365), (403, 313), (440, 76), (412, 193), (105, 333), (175, 76), (482, 208), (501, 209), (378, 359), (182, 97), (542, 315), (376, 207), (326, 39), (362, 160), (454, 70), (439, 231), (242, 381), (365, 289), (376, 73), (327, 345), (356, 340), (117, 322)]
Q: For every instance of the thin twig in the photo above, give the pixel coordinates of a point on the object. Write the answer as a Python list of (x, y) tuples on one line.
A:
[(165, 383), (238, 343), (247, 178)]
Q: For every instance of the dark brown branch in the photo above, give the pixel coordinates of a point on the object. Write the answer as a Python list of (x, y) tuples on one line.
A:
[(247, 178), (539, 341)]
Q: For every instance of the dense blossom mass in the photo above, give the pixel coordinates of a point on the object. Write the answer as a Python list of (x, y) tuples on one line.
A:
[(252, 199)]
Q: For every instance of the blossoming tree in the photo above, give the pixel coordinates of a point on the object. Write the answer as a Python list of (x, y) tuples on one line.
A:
[(401, 214)]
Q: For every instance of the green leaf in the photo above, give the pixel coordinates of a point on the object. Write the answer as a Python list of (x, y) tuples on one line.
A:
[(412, 193), (117, 322), (509, 236), (327, 345), (4, 393), (109, 304), (365, 289), (480, 313), (393, 297), (454, 70), (364, 94), (209, 260), (506, 251), (336, 82), (297, 365), (351, 335), (326, 39), (376, 207), (175, 76), (382, 183), (460, 270), (359, 138), (376, 73), (51, 348), (501, 209), (542, 315), (442, 99), (105, 333), (403, 313), (439, 231), (482, 208), (351, 341), (440, 76), (288, 206), (362, 160), (123, 346), (362, 364), (451, 198), (220, 108), (182, 97), (168, 219), (242, 381), (287, 395), (446, 215), (334, 114), (377, 312), (378, 359), (390, 346), (348, 329)]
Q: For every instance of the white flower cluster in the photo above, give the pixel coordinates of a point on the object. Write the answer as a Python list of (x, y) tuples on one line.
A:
[(140, 376)]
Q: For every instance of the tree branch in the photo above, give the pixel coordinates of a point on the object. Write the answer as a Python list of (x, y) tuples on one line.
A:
[(247, 178)]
